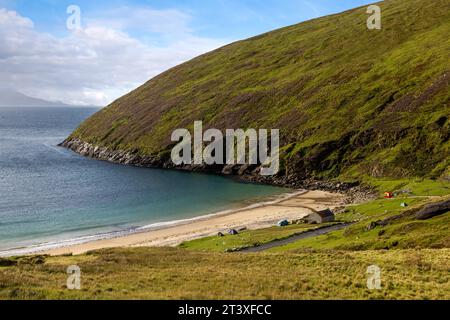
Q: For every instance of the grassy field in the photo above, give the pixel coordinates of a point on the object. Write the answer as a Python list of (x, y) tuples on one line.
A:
[(245, 239), (174, 273)]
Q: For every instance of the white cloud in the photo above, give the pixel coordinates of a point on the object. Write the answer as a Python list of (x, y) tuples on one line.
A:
[(12, 18), (96, 64)]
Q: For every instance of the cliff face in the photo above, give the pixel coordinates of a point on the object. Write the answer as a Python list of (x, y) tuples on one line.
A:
[(355, 192), (348, 101)]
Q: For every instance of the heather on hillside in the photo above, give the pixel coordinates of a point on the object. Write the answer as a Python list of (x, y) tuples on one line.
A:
[(347, 100)]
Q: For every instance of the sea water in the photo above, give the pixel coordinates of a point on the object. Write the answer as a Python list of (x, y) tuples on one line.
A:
[(50, 196)]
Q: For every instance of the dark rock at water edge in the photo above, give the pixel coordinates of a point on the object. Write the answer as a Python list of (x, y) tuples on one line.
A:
[(247, 173)]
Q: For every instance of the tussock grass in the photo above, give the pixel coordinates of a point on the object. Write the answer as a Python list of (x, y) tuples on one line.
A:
[(171, 273)]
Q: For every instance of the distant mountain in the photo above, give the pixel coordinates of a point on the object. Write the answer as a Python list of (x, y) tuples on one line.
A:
[(17, 99)]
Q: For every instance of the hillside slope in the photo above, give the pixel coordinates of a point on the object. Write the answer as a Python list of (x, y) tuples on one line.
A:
[(348, 101)]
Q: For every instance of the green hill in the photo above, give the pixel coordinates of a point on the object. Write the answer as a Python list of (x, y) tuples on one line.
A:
[(348, 101)]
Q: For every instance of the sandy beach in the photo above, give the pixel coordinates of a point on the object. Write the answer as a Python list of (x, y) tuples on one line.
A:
[(291, 207)]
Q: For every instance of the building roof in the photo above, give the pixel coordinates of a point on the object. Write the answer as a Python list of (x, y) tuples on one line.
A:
[(325, 213)]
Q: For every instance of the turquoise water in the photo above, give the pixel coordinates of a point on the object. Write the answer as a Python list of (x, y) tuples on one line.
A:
[(50, 194)]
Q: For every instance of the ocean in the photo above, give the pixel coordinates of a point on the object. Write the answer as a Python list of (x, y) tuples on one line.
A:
[(51, 197)]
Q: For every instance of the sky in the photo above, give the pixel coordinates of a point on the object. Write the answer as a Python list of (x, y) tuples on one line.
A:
[(120, 44)]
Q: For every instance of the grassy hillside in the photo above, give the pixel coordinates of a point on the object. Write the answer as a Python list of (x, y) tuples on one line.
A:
[(348, 100)]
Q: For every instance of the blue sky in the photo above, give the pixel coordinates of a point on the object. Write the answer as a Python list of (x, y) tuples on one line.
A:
[(165, 32), (225, 19)]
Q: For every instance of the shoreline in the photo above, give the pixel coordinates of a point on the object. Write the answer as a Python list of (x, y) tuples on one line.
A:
[(355, 191), (291, 206), (51, 245), (254, 216)]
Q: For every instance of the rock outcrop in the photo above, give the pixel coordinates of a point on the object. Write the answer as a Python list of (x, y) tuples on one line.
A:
[(434, 209), (355, 191)]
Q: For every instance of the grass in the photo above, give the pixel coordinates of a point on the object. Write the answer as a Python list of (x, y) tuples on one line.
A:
[(415, 186), (403, 233), (248, 238), (406, 234), (171, 273)]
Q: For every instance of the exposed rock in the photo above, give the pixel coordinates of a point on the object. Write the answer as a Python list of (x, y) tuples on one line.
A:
[(432, 210), (245, 169), (355, 192), (403, 192), (372, 225), (392, 219), (7, 262), (229, 169)]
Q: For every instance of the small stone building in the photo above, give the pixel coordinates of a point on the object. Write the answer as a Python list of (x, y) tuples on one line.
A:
[(319, 217)]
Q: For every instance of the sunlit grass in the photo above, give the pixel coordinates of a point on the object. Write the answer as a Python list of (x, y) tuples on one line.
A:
[(168, 273)]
